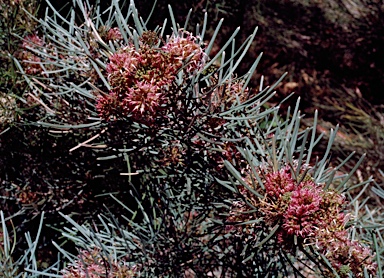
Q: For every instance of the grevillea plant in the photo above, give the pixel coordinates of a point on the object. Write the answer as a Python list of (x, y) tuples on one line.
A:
[(206, 179)]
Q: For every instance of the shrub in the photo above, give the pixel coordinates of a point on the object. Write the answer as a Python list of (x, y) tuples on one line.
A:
[(199, 175)]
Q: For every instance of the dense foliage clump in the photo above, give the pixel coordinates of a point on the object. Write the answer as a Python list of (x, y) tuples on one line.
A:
[(165, 162)]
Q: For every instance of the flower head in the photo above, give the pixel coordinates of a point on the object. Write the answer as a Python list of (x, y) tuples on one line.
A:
[(155, 66), (185, 49), (30, 61), (278, 183), (300, 218), (122, 64), (141, 78), (346, 256), (143, 100), (32, 41), (114, 34), (109, 106), (311, 213)]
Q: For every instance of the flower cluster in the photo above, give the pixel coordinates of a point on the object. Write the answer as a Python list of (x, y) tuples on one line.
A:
[(93, 264), (305, 210), (110, 34), (345, 255), (30, 61), (141, 79), (183, 48)]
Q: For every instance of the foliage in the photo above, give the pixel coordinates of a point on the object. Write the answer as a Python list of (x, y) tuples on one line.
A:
[(15, 23), (9, 266), (199, 176)]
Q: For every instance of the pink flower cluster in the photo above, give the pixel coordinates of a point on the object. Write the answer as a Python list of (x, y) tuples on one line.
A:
[(92, 264), (141, 79), (183, 48), (345, 255), (300, 217), (301, 207), (310, 213), (30, 61), (114, 34), (109, 34)]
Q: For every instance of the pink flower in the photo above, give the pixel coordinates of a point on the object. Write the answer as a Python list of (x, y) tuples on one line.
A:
[(123, 61), (108, 106), (143, 100), (185, 49), (141, 79), (114, 34), (121, 69), (128, 67), (155, 66), (32, 41), (346, 256), (30, 61), (300, 218), (309, 212), (278, 183)]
